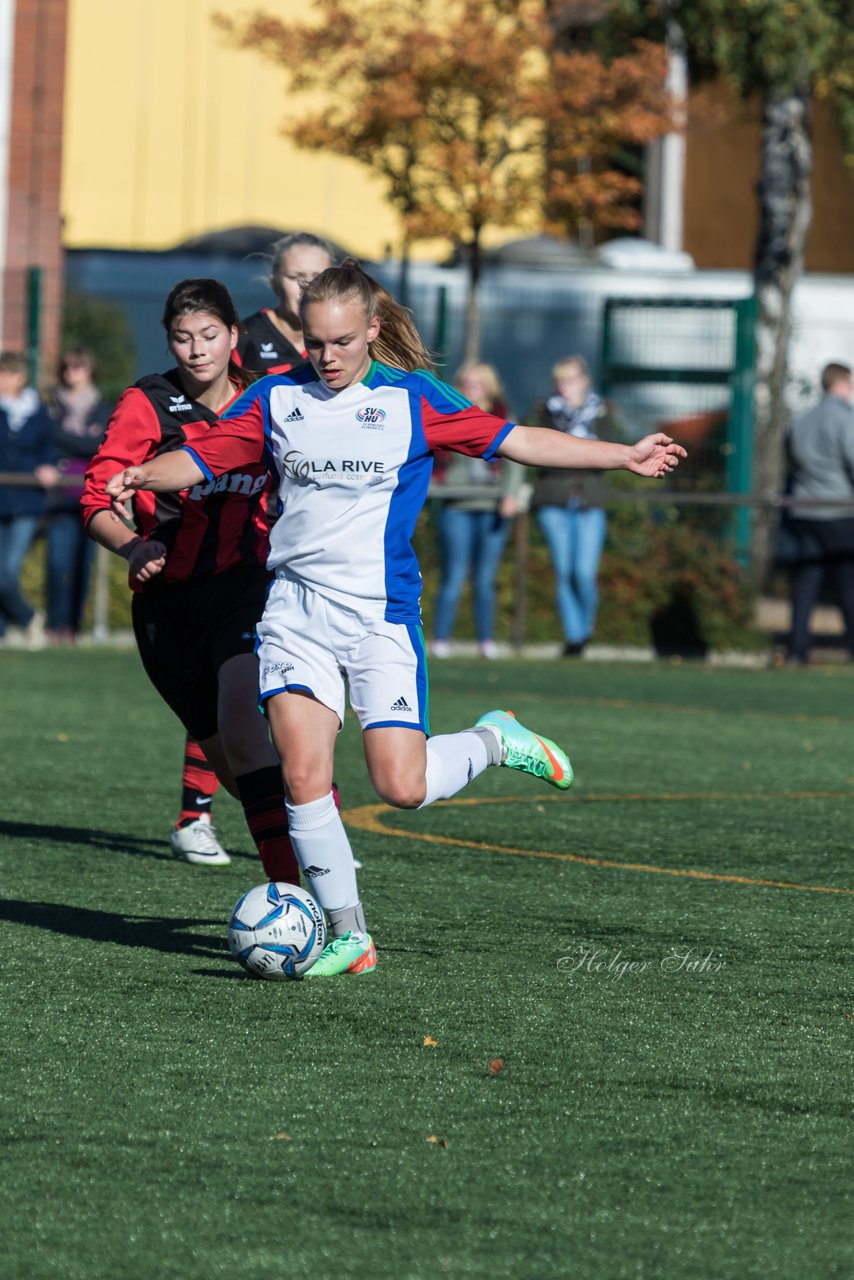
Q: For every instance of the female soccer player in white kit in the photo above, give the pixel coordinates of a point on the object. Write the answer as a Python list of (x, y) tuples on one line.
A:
[(350, 441)]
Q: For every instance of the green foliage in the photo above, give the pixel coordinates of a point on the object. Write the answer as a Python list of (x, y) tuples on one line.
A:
[(118, 592), (667, 582), (664, 580), (103, 328), (761, 46)]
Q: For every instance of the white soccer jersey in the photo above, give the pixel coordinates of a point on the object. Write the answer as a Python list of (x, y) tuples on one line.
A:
[(353, 469)]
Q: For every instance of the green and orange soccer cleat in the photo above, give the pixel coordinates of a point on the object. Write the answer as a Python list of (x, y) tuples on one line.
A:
[(352, 953), (525, 750)]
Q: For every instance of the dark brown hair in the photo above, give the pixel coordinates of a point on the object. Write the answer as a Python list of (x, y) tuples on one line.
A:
[(201, 294), (833, 373)]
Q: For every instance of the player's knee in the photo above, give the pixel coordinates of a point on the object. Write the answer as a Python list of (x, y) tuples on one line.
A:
[(304, 784), (401, 791)]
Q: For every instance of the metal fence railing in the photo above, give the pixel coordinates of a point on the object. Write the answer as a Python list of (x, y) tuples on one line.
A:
[(704, 519)]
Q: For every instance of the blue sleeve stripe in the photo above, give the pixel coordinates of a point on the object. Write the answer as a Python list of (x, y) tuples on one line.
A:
[(203, 466), (502, 435)]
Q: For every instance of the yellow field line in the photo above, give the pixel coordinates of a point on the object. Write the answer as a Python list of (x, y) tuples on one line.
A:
[(366, 818)]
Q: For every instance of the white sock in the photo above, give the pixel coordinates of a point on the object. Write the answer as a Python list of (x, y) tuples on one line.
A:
[(326, 859), (453, 760)]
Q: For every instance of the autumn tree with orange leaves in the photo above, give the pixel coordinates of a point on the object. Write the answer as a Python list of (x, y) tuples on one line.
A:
[(468, 111)]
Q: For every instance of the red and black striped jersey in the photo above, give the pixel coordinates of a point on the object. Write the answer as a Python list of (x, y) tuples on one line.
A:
[(207, 529), (264, 349)]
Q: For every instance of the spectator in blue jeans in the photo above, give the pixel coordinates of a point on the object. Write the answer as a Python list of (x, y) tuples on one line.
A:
[(569, 505), (473, 526), (80, 417), (26, 448)]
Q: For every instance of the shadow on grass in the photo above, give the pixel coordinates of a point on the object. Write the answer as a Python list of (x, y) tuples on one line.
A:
[(111, 841), (157, 933)]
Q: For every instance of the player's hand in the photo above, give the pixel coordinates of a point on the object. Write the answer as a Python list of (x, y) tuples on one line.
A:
[(146, 559), (655, 456), (124, 484)]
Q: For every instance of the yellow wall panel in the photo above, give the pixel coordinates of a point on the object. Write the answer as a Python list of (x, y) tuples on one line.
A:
[(170, 133)]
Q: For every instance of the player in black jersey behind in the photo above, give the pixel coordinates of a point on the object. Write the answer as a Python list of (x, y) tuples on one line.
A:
[(197, 565), (273, 341)]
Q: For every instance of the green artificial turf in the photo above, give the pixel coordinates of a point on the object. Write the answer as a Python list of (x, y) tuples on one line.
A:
[(587, 1065)]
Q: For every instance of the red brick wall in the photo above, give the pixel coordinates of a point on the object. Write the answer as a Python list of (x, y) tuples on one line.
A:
[(33, 231)]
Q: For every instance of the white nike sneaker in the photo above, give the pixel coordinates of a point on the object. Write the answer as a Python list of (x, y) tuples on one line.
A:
[(196, 842)]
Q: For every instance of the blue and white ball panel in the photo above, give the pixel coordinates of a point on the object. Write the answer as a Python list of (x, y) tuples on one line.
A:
[(276, 931)]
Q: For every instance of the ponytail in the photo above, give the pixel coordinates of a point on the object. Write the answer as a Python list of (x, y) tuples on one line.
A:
[(398, 342)]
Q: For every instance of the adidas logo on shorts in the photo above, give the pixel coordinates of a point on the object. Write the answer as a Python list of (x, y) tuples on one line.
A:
[(401, 705), (295, 415)]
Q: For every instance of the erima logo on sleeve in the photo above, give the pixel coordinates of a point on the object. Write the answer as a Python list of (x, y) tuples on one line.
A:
[(179, 405)]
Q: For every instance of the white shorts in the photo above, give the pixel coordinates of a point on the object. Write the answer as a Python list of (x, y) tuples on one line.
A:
[(309, 644)]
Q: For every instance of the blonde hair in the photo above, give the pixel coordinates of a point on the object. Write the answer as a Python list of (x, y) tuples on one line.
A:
[(297, 240), (571, 362), (398, 342), (488, 374)]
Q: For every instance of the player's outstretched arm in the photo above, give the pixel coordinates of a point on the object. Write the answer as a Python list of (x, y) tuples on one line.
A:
[(169, 473), (652, 456)]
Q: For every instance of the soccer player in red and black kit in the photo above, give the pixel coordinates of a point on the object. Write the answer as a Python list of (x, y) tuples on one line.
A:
[(273, 341), (197, 566)]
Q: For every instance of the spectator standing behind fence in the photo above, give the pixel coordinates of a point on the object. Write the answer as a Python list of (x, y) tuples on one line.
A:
[(26, 449), (569, 505), (821, 456), (80, 417), (473, 529)]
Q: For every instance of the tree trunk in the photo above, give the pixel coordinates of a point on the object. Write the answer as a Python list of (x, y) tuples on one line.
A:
[(403, 276), (785, 213), (473, 300)]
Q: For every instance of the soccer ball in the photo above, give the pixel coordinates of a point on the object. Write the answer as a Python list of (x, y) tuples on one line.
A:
[(276, 930)]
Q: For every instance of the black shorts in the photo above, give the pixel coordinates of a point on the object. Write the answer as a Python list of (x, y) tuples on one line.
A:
[(186, 631)]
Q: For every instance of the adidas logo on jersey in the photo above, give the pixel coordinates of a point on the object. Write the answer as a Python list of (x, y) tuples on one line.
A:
[(401, 705), (267, 351), (295, 415), (179, 405)]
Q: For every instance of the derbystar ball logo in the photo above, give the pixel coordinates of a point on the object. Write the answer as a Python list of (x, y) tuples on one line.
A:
[(298, 467), (371, 417)]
